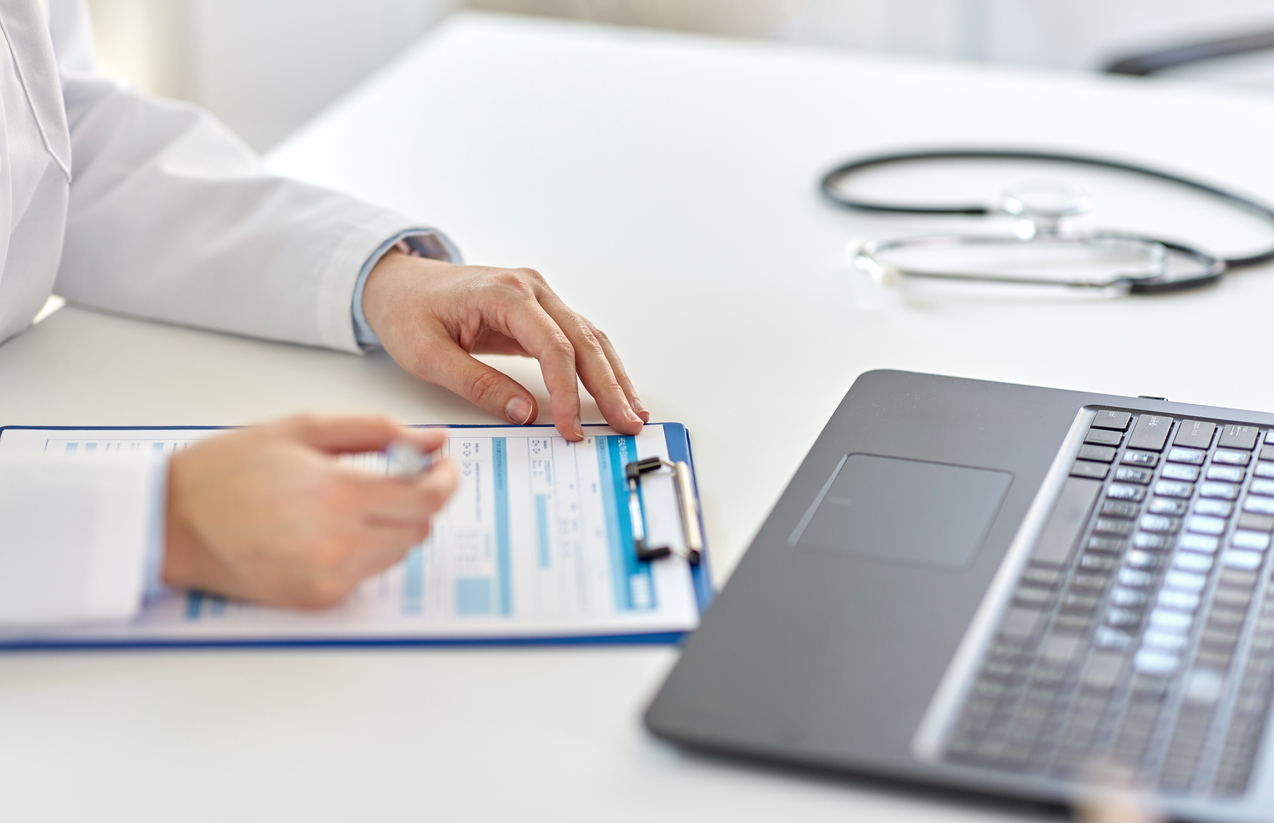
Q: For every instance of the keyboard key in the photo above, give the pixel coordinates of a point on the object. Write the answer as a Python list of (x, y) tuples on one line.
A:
[(1237, 559), (1105, 454), (1089, 582), (1262, 486), (1199, 543), (1031, 597), (1080, 603), (1132, 458), (1214, 488), (1191, 456), (1156, 663), (1256, 541), (1106, 544), (1019, 623), (1238, 437), (1170, 488), (1159, 523), (1112, 639), (1118, 528), (1095, 471), (1166, 505), (1119, 491), (1165, 620), (1185, 581), (1256, 522), (1230, 474), (1183, 601), (1107, 419), (1164, 641), (1135, 578), (1232, 458), (1180, 471), (1120, 508), (1127, 474), (1046, 578), (1102, 671), (1236, 579), (1202, 524), (1151, 542), (1217, 643), (1267, 453), (1143, 560), (1195, 434), (1059, 649), (1264, 470), (1260, 505), (1122, 619), (1103, 437), (1192, 562), (1097, 562), (1150, 432), (1232, 600), (1204, 686), (1121, 596), (1216, 508)]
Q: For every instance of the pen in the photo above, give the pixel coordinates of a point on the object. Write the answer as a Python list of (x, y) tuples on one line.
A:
[(406, 459)]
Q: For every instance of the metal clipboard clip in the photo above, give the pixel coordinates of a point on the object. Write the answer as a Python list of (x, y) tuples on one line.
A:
[(686, 504)]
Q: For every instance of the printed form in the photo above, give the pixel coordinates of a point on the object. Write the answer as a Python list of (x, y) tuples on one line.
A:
[(536, 543)]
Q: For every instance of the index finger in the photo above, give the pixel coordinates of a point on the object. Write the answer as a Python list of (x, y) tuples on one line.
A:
[(596, 365), (531, 326), (428, 439)]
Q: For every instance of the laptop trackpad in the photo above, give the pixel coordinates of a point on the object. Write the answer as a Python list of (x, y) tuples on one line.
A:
[(906, 511)]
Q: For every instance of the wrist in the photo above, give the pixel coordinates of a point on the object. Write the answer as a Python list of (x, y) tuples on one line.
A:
[(377, 299), (181, 544)]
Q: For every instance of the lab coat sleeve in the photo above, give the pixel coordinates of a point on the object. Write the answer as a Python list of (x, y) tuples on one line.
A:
[(75, 535), (173, 218)]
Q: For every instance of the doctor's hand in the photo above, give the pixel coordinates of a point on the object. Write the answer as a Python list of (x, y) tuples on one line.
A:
[(267, 514), (432, 316)]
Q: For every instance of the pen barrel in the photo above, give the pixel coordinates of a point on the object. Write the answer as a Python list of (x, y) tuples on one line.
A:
[(689, 507)]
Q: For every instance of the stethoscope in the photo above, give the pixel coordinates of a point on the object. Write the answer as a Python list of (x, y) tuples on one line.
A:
[(1041, 211)]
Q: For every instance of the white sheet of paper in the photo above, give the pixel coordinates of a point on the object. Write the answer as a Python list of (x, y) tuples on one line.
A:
[(536, 543)]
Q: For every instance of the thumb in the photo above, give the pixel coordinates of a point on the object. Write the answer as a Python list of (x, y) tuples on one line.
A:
[(455, 369)]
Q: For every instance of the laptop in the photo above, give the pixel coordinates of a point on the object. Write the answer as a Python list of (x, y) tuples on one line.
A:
[(1008, 590)]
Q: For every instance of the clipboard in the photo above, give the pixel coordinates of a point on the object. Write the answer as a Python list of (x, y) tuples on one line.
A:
[(699, 594)]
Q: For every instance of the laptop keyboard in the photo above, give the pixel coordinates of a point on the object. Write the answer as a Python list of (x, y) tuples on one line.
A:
[(1141, 630)]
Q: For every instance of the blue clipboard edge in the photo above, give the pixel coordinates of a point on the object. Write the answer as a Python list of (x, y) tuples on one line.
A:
[(677, 438)]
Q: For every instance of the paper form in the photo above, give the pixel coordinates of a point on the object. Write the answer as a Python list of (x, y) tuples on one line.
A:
[(536, 542)]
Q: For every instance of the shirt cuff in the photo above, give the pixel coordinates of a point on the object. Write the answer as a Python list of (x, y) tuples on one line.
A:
[(422, 242), (74, 534), (155, 587)]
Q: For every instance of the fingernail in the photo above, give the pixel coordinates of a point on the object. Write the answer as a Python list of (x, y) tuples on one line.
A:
[(638, 407), (518, 410), (579, 431), (633, 416)]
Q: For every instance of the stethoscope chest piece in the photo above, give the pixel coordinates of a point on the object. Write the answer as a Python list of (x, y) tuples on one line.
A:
[(1045, 245)]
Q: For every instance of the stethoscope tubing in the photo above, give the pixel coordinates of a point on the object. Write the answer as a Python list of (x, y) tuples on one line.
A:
[(831, 181)]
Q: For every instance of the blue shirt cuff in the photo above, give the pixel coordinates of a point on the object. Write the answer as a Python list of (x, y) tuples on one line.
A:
[(426, 242)]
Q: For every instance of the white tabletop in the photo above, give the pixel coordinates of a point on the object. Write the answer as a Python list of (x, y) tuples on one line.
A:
[(665, 186)]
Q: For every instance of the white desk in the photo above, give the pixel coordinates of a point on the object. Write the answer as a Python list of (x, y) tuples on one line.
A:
[(665, 185)]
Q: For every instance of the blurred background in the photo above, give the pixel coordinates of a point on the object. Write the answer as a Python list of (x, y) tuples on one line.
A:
[(267, 66)]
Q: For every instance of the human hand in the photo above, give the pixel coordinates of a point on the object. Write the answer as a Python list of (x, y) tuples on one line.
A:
[(432, 316), (268, 514)]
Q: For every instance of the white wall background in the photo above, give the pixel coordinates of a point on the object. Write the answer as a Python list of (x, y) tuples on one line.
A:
[(266, 66), (263, 66)]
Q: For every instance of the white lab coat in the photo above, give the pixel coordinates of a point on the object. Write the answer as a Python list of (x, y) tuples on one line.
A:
[(150, 208)]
